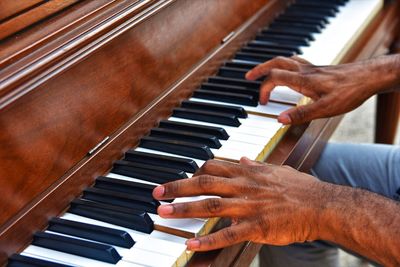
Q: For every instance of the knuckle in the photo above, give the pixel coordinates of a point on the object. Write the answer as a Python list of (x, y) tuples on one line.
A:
[(205, 182), (172, 188), (230, 236), (213, 205), (182, 209)]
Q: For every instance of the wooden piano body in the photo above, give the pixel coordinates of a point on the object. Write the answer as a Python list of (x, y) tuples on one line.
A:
[(109, 71)]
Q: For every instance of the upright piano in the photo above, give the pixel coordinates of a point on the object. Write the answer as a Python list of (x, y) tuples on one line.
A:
[(102, 100)]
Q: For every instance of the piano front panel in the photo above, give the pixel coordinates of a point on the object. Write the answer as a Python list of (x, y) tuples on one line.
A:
[(120, 89)]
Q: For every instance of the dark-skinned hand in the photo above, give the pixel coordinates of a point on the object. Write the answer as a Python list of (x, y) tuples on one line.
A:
[(334, 89), (266, 203)]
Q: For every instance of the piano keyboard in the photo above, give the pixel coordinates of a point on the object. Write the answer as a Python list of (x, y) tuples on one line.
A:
[(114, 223)]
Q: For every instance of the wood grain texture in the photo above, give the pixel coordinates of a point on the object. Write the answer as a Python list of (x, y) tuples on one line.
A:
[(10, 8), (31, 16), (120, 89)]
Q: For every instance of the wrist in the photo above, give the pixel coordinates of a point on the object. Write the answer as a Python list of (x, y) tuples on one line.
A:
[(386, 72)]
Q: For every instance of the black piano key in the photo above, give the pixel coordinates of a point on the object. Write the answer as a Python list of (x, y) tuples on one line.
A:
[(306, 14), (241, 64), (289, 31), (137, 220), (235, 82), (320, 5), (83, 248), (255, 57), (17, 260), (230, 88), (148, 172), (177, 147), (233, 110), (184, 164), (92, 232), (207, 116), (129, 187), (295, 25), (271, 51), (216, 131), (274, 45), (233, 98), (169, 134), (304, 20), (284, 39), (144, 203), (321, 11)]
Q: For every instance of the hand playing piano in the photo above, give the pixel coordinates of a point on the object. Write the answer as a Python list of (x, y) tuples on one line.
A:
[(334, 89), (266, 203)]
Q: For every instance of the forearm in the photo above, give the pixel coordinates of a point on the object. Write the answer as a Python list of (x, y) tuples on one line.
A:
[(361, 221)]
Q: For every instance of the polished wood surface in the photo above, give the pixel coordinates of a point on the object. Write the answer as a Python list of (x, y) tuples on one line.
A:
[(116, 72), (120, 86)]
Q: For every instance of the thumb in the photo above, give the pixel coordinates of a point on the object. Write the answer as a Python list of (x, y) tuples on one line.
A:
[(302, 114)]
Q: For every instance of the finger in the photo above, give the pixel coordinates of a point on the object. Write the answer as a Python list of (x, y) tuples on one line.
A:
[(279, 77), (223, 238), (195, 186), (220, 168), (207, 208), (302, 114), (301, 60), (263, 69), (248, 162)]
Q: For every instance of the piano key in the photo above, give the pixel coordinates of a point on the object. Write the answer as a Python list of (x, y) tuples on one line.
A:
[(156, 241), (320, 11), (208, 116), (241, 64), (177, 147), (275, 45), (91, 250), (69, 259), (186, 136), (233, 110), (311, 21), (235, 82), (290, 31), (216, 131), (256, 57), (328, 47), (129, 218), (137, 202), (149, 172), (229, 72), (295, 25), (234, 98), (17, 260), (271, 109), (129, 187), (283, 39), (270, 51), (232, 89), (184, 164), (95, 233), (248, 131), (305, 14), (146, 150), (53, 255)]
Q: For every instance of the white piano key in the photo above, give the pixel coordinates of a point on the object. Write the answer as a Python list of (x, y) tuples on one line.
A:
[(341, 31), (69, 259), (184, 227)]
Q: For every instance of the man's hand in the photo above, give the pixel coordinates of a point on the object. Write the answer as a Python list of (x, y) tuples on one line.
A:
[(267, 203), (334, 89)]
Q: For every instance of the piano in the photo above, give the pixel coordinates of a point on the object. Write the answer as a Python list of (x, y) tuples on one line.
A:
[(102, 100)]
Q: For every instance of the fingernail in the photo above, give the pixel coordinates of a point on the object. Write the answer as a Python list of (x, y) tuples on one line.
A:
[(159, 191), (193, 244), (285, 119), (165, 210)]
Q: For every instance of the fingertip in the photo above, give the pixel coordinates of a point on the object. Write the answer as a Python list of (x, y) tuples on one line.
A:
[(244, 160), (159, 192), (165, 210), (249, 75), (284, 119), (193, 244)]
